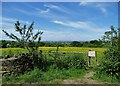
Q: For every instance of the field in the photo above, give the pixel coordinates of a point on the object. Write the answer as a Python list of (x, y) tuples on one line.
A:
[(16, 51), (72, 50), (59, 74)]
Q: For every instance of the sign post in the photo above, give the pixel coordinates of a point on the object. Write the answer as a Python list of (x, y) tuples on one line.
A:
[(91, 54)]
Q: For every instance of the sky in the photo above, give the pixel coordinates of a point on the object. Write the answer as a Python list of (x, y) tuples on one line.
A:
[(61, 21)]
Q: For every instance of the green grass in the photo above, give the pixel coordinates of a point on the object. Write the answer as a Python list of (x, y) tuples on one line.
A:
[(12, 51), (103, 77), (52, 76)]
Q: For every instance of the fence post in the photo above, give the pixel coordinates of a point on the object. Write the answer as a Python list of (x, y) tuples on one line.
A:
[(95, 57)]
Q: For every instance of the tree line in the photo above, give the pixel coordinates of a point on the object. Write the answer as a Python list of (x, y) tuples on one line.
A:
[(92, 43)]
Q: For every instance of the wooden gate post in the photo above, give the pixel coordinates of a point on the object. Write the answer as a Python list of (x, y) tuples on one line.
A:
[(89, 58), (95, 57)]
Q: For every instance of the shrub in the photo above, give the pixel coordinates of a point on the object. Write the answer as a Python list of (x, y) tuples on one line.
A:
[(76, 61), (111, 61), (71, 61)]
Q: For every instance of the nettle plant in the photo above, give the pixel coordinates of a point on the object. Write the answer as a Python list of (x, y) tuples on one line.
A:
[(27, 39), (111, 60)]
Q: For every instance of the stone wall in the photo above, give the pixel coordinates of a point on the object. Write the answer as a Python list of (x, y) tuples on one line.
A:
[(16, 66)]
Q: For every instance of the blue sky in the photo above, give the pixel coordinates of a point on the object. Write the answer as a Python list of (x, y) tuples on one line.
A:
[(60, 21)]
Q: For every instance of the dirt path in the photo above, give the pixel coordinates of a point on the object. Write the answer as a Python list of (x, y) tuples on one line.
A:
[(87, 79)]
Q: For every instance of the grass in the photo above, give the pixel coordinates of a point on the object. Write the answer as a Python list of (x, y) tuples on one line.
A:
[(12, 51), (52, 76), (106, 78)]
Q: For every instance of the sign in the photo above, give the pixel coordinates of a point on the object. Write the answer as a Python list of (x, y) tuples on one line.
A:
[(91, 53)]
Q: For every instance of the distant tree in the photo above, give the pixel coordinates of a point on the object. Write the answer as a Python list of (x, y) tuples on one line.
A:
[(27, 38), (3, 43), (42, 44), (96, 43), (76, 44)]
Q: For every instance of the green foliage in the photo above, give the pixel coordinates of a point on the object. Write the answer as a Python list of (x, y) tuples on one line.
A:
[(119, 39), (53, 73), (30, 77), (70, 60), (92, 43), (106, 78), (76, 44), (76, 61), (41, 77), (27, 37), (111, 61)]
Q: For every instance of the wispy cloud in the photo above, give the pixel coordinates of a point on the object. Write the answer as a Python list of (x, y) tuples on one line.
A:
[(8, 24), (51, 6), (44, 11), (56, 7), (83, 3), (88, 26), (102, 8), (66, 36), (23, 11), (13, 20)]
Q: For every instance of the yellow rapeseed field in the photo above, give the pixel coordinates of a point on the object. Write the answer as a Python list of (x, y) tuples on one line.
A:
[(16, 51)]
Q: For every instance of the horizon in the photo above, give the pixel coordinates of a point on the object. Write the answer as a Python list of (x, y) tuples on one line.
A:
[(53, 41), (62, 21)]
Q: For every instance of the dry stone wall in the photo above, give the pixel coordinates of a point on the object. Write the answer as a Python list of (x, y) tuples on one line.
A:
[(16, 66)]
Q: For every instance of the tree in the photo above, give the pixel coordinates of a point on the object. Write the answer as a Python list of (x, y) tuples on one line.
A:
[(27, 38), (111, 60), (119, 39), (76, 44)]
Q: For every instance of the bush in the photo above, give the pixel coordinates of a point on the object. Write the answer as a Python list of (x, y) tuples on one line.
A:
[(111, 61), (72, 61), (111, 64), (76, 61), (68, 60)]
